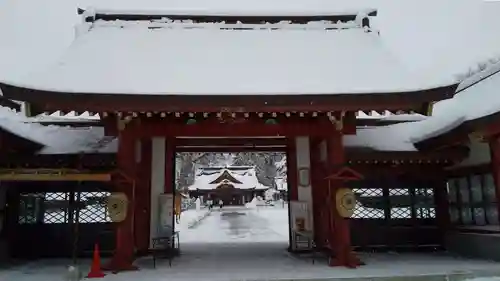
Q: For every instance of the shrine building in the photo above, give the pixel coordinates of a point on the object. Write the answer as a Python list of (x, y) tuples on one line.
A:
[(318, 85), (234, 185)]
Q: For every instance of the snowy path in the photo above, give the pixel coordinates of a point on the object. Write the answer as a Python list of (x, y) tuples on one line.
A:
[(238, 225)]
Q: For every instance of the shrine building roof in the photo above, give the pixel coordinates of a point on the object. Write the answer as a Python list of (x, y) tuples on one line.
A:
[(170, 65)]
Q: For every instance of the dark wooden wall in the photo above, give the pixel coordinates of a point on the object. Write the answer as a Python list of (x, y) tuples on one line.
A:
[(50, 230), (383, 222)]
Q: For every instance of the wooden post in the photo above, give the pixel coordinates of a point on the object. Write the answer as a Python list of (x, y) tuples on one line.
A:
[(170, 174), (316, 190), (442, 206), (291, 162), (340, 236), (495, 166), (169, 165), (123, 257)]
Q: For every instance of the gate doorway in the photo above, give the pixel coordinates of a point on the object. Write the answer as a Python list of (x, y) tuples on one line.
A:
[(251, 187)]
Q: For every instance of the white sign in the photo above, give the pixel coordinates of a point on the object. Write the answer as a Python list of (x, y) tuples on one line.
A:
[(166, 216), (300, 216)]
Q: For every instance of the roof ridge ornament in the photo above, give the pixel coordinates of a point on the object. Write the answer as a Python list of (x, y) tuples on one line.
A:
[(223, 25)]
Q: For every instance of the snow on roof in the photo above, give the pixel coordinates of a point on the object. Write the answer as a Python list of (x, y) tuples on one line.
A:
[(125, 57), (58, 116), (382, 138), (477, 98), (231, 7), (389, 116), (57, 139), (246, 177)]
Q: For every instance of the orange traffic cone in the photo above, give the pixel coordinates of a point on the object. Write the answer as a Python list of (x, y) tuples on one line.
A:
[(95, 269)]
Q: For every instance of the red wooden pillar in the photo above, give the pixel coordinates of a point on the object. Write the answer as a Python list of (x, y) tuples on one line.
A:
[(495, 166), (143, 198), (316, 181), (169, 165), (124, 252), (291, 162), (169, 187), (292, 177), (340, 236)]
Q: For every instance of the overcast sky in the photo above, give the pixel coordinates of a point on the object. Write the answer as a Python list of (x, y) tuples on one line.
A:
[(440, 37)]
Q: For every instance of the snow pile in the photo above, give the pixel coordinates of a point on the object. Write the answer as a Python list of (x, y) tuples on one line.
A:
[(254, 203), (200, 216)]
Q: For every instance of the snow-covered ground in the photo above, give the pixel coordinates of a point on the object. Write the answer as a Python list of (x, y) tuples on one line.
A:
[(238, 225), (240, 243)]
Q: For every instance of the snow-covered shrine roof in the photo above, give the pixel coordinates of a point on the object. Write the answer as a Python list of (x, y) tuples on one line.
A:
[(212, 177), (57, 139), (476, 98), (179, 58), (231, 7)]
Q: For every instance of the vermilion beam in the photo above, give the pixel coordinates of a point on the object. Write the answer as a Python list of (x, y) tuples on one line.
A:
[(230, 149), (230, 142), (233, 130)]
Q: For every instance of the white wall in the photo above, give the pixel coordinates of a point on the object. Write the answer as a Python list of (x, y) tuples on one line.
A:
[(157, 182), (304, 161)]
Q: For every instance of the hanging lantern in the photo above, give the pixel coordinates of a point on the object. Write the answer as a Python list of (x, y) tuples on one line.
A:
[(191, 121), (271, 121)]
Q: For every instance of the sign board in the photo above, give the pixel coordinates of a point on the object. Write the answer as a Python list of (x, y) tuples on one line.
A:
[(300, 216), (166, 215), (300, 223)]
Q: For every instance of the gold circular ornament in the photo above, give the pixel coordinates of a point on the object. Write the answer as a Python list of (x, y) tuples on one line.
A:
[(117, 207), (346, 202)]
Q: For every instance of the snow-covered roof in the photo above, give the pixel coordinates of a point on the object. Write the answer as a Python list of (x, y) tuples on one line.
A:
[(477, 98), (231, 7), (389, 116), (159, 58), (72, 116), (243, 179), (57, 139)]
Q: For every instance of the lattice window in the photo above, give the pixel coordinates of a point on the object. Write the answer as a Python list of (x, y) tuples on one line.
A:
[(370, 203), (92, 207), (479, 216), (492, 214), (55, 207), (30, 207), (400, 200), (454, 214), (425, 206)]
